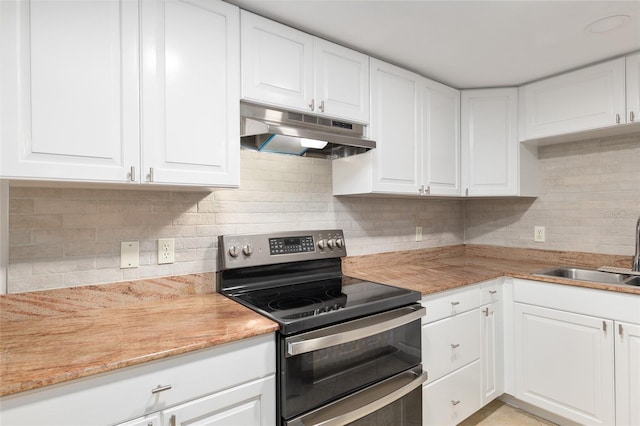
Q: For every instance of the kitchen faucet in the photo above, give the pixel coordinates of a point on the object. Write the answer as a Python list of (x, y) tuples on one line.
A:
[(636, 259)]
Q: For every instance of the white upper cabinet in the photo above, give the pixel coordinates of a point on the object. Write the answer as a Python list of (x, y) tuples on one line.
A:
[(190, 92), (287, 68), (414, 122), (493, 161), (96, 92), (397, 164), (440, 123), (277, 63), (341, 81), (586, 99), (69, 89), (633, 88)]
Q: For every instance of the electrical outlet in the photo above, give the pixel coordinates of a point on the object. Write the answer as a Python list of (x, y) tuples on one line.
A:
[(129, 254), (166, 250), (418, 233), (539, 234)]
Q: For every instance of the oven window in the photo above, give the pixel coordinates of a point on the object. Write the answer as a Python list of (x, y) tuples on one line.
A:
[(312, 379), (407, 411)]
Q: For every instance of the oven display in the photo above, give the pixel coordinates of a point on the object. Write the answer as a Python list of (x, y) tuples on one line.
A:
[(291, 245)]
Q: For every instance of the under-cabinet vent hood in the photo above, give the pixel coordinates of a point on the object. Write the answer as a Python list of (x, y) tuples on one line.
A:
[(285, 132)]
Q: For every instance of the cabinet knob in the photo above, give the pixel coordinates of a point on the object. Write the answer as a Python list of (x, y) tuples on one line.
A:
[(455, 402), (617, 118), (321, 106), (150, 175), (455, 345), (632, 117), (455, 303), (312, 105)]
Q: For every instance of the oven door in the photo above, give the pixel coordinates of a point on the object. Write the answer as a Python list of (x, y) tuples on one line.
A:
[(325, 365), (395, 401)]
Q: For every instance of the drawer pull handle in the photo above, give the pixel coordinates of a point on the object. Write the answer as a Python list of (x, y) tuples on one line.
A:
[(456, 402), (172, 420), (485, 311), (455, 345), (455, 303), (493, 291), (161, 389)]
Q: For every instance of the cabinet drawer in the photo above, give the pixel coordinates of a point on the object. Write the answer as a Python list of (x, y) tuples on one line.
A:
[(453, 398), (127, 393), (450, 344), (452, 302)]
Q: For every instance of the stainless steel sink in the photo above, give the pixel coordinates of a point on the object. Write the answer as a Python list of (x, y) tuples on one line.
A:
[(633, 281), (586, 275)]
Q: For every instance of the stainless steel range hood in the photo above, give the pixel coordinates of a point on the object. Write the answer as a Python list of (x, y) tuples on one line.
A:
[(285, 132)]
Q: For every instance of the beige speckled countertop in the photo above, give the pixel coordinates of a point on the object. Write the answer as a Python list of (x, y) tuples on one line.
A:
[(51, 336)]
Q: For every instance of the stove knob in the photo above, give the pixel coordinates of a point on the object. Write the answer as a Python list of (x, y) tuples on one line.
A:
[(331, 243), (340, 242), (247, 250), (234, 251), (322, 244)]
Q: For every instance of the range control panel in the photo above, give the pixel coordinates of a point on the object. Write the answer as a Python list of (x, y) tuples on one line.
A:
[(240, 251), (291, 245)]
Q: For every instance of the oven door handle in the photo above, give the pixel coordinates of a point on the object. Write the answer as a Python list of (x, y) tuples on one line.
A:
[(352, 330), (363, 402)]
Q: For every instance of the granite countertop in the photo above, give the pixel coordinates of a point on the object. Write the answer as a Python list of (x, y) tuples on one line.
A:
[(51, 336), (435, 270)]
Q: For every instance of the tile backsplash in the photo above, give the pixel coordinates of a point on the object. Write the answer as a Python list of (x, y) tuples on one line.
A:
[(62, 237), (59, 236), (589, 201)]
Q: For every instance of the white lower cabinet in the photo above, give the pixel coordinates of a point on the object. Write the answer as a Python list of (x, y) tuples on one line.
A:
[(491, 341), (248, 404), (230, 384), (627, 349), (453, 398), (565, 363), (577, 352), (451, 356)]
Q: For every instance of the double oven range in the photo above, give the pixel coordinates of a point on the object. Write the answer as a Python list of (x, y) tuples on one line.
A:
[(348, 351)]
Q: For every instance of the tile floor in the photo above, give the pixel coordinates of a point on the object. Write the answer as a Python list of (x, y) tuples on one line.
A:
[(497, 413)]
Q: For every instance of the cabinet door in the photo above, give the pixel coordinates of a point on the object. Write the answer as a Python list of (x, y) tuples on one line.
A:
[(397, 166), (341, 81), (586, 99), (277, 63), (491, 356), (627, 351), (633, 87), (440, 115), (565, 363), (69, 104), (249, 404), (490, 152), (190, 92)]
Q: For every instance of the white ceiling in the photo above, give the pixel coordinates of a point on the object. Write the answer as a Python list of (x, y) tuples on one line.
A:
[(466, 44)]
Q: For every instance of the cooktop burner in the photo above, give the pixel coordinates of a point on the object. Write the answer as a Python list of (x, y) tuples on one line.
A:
[(304, 306)]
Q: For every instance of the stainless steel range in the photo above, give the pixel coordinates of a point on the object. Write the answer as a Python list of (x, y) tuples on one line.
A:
[(349, 351)]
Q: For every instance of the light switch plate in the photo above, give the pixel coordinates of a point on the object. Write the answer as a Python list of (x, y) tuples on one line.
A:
[(129, 254)]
